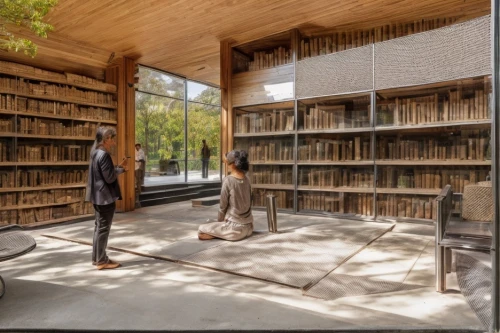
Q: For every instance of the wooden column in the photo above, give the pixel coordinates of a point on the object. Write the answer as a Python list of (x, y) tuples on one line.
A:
[(226, 70), (121, 73)]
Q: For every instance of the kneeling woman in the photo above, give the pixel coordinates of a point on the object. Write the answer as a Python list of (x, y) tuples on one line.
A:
[(235, 213)]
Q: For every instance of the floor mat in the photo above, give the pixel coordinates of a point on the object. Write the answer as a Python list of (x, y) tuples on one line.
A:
[(474, 279), (341, 285), (297, 257), (381, 267)]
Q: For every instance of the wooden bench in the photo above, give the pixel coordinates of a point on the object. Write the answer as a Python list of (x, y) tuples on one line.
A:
[(13, 244), (453, 233)]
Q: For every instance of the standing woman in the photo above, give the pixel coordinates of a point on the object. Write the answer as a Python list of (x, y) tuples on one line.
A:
[(103, 190), (235, 221)]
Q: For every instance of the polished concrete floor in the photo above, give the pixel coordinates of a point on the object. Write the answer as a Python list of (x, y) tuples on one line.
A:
[(56, 287)]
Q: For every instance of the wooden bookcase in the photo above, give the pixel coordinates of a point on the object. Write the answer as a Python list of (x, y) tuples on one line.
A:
[(47, 127), (343, 139)]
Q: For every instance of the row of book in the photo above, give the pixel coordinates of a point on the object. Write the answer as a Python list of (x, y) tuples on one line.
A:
[(334, 117), (64, 109), (340, 203), (53, 153), (345, 40), (430, 109), (16, 199), (7, 102), (8, 216), (5, 151), (60, 90), (267, 59), (24, 70), (271, 151), (284, 199), (273, 121), (328, 177), (42, 177), (313, 149), (464, 147), (41, 126), (279, 175), (391, 177), (28, 216), (7, 125), (406, 206), (50, 196)]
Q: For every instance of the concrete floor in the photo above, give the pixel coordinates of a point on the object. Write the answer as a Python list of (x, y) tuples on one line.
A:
[(56, 287)]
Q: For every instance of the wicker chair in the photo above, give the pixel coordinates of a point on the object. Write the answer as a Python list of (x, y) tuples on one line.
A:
[(478, 202)]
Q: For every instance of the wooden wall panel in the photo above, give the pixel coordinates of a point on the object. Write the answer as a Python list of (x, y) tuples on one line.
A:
[(121, 73), (263, 86)]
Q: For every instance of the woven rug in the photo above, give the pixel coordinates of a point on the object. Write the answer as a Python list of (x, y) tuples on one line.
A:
[(297, 257)]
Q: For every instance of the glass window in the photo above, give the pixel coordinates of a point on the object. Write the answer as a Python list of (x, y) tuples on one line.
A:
[(203, 124), (159, 83), (159, 127), (201, 93)]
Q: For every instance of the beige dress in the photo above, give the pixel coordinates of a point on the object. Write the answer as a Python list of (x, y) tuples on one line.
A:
[(235, 212)]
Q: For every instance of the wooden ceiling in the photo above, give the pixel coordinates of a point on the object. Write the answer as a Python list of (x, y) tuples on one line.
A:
[(183, 36)]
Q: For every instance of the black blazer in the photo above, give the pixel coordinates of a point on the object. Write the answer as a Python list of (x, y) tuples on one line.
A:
[(102, 184)]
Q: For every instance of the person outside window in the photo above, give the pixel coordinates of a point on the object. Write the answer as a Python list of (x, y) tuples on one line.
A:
[(205, 159), (140, 167)]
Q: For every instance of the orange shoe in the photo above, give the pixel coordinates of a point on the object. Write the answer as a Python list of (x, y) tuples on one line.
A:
[(202, 236), (108, 265)]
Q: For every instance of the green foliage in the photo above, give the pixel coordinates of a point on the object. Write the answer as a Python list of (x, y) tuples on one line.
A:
[(26, 13), (160, 120)]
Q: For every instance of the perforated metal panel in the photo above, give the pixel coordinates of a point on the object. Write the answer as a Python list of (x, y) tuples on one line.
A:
[(337, 73), (474, 279), (340, 285), (458, 51)]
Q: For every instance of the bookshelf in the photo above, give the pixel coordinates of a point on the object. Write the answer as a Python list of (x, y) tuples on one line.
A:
[(47, 123), (359, 137)]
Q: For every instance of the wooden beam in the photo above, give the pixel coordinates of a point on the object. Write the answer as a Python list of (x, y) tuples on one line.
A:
[(226, 105), (121, 73)]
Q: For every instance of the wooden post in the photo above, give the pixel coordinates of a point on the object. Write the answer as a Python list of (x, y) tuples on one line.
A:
[(227, 130), (121, 74)]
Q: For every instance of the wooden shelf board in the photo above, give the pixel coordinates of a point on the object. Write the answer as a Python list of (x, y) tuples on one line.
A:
[(334, 163), (433, 162), (109, 87), (245, 135), (341, 189), (62, 99), (41, 188), (17, 207), (271, 163), (56, 116), (418, 191), (434, 125), (273, 187), (42, 163), (336, 130), (54, 137), (63, 219)]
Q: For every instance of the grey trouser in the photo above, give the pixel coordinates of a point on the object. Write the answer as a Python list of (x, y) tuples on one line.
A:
[(103, 219)]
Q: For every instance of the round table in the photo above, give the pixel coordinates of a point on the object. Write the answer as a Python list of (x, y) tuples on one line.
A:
[(12, 245)]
